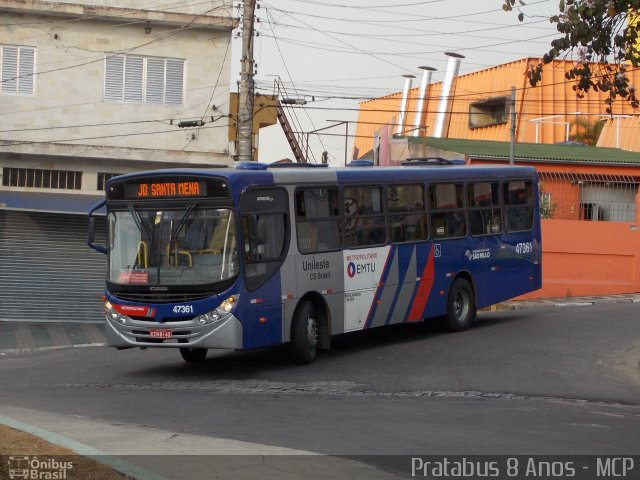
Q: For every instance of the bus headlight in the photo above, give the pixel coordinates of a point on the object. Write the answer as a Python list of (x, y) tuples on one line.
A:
[(226, 306), (221, 311), (113, 314)]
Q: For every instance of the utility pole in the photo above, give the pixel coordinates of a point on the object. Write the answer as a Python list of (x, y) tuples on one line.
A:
[(245, 95), (513, 126)]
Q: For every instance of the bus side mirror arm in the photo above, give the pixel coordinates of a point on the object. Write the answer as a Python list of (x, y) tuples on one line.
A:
[(91, 229)]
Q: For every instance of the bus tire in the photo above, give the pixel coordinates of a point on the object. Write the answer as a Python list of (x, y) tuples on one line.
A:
[(193, 355), (461, 306), (304, 334)]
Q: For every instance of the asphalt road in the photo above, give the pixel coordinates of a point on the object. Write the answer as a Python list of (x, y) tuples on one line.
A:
[(562, 381)]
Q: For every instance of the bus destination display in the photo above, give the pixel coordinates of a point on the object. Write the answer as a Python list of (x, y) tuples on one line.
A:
[(165, 190)]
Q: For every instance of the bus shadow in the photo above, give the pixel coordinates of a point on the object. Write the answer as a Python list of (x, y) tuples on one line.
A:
[(400, 334), (492, 319), (242, 365)]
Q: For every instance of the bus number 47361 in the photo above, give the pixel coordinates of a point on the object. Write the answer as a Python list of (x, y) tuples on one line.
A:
[(524, 247), (183, 309)]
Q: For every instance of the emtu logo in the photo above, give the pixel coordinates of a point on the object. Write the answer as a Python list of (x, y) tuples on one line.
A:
[(351, 269)]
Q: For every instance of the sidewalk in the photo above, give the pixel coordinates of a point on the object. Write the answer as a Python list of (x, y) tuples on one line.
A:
[(18, 337), (147, 453), (567, 302)]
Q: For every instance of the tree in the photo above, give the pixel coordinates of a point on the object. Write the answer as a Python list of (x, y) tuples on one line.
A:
[(603, 35), (586, 131), (546, 206)]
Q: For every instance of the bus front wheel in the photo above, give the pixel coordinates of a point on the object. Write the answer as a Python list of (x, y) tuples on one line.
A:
[(304, 334), (461, 306), (193, 355)]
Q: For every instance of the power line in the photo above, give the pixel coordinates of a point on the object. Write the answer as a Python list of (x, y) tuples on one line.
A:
[(347, 44), (6, 143), (413, 17), (420, 32), (119, 52), (226, 52), (161, 8), (291, 79), (418, 55)]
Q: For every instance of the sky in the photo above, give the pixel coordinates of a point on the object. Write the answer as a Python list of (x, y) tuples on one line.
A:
[(335, 54)]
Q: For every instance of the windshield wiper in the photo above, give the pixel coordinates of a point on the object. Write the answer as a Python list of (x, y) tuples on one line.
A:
[(180, 225), (142, 226)]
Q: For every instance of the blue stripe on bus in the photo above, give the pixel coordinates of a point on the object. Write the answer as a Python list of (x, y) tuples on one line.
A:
[(405, 252), (381, 286)]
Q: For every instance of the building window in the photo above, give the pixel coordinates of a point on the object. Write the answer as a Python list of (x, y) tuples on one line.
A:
[(16, 69), (103, 177), (136, 79), (489, 112), (37, 178), (608, 201)]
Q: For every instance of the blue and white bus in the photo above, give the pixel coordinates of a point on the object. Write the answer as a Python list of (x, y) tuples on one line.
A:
[(263, 255)]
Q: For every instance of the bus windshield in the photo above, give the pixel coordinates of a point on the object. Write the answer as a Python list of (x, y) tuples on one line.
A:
[(185, 246)]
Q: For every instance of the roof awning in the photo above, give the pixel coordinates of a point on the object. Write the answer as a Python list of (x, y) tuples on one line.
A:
[(48, 202)]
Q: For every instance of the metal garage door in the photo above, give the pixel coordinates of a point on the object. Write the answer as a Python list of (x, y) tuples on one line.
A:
[(47, 272)]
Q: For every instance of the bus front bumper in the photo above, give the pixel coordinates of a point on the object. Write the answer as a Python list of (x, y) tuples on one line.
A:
[(224, 333)]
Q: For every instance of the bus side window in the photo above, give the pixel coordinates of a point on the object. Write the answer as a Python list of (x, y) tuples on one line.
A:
[(484, 208), (448, 218), (264, 237), (364, 222), (519, 205), (317, 224), (264, 243), (407, 218)]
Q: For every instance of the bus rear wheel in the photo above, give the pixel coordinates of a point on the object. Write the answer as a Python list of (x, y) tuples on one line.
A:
[(461, 306), (193, 355), (304, 334)]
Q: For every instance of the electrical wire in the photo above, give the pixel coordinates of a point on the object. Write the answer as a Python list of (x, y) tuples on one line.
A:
[(291, 79), (119, 52), (224, 60), (8, 143)]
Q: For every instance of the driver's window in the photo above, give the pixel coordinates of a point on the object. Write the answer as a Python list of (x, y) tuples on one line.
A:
[(264, 236), (265, 233)]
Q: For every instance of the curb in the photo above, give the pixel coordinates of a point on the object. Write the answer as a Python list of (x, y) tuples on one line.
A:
[(123, 467), (564, 302)]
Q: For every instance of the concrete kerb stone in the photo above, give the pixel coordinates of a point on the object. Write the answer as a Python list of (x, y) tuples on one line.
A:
[(565, 302), (146, 453)]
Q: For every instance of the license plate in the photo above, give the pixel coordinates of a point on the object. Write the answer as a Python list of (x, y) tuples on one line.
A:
[(160, 333)]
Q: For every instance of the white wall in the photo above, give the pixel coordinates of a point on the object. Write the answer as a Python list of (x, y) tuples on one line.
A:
[(69, 84)]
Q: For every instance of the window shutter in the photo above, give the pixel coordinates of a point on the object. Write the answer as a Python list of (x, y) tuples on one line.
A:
[(133, 79), (25, 73), (155, 81), (151, 80), (114, 78), (175, 79), (10, 69)]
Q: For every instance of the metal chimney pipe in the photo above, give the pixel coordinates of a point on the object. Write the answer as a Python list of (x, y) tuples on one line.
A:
[(444, 108), (426, 80), (408, 79)]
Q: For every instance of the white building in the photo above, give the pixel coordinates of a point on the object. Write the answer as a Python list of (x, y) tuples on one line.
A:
[(89, 89)]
